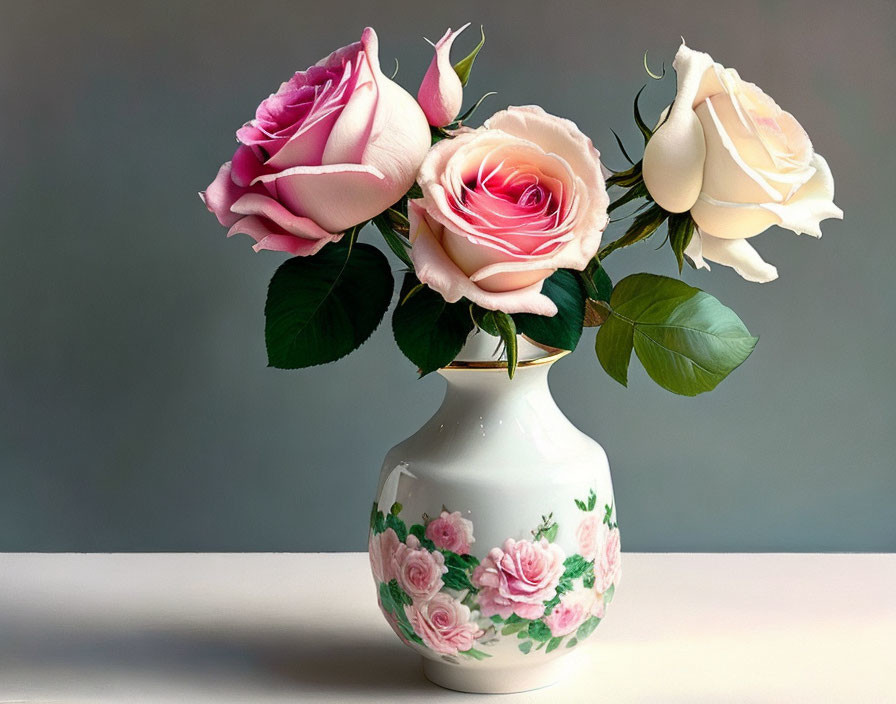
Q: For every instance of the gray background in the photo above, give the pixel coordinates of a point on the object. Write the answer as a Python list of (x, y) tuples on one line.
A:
[(137, 409)]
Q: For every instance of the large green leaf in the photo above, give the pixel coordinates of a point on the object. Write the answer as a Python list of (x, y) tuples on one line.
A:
[(686, 339), (321, 308), (428, 330), (564, 329)]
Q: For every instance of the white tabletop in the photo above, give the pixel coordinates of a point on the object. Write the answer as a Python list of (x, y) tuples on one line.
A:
[(304, 627)]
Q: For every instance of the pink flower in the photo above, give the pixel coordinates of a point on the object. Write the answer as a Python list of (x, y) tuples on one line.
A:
[(443, 623), (381, 549), (519, 578), (608, 564), (418, 571), (452, 532), (441, 93), (504, 206), (334, 146), (588, 535), (574, 609)]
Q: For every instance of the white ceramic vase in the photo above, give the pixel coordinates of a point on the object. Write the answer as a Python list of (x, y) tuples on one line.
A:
[(493, 543)]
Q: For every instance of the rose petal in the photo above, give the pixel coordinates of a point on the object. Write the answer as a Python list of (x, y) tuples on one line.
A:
[(337, 196), (268, 236), (257, 204), (738, 254), (221, 194), (435, 268)]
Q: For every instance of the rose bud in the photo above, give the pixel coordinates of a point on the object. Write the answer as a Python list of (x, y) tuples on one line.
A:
[(441, 93)]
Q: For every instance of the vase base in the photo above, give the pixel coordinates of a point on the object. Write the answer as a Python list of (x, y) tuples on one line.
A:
[(490, 680)]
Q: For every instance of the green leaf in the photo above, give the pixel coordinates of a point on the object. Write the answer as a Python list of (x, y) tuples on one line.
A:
[(466, 116), (564, 329), (587, 628), (622, 148), (398, 244), (581, 504), (463, 67), (626, 178), (613, 345), (377, 520), (588, 580), (538, 630), (456, 577), (686, 339), (553, 644), (609, 594), (396, 509), (511, 628), (681, 230), (496, 322), (475, 654), (396, 524), (597, 281), (576, 566), (321, 308), (551, 532), (513, 618), (639, 121), (428, 330), (525, 646), (386, 598), (592, 500), (495, 618), (643, 226), (419, 531), (572, 643), (398, 595), (638, 190)]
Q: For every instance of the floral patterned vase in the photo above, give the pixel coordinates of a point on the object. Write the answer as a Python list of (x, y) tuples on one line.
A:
[(493, 540)]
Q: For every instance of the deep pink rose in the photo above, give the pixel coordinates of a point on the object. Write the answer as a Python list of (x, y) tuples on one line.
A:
[(444, 624), (334, 146), (608, 564), (418, 571), (504, 206), (519, 578), (441, 92), (588, 535), (381, 549), (574, 609), (452, 532)]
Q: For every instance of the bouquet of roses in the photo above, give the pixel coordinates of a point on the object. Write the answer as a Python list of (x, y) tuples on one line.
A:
[(501, 227)]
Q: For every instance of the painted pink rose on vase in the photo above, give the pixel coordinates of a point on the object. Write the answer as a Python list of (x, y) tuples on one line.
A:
[(518, 578), (589, 535), (452, 532), (381, 549), (334, 146), (504, 206), (444, 624), (418, 571), (608, 564), (574, 609)]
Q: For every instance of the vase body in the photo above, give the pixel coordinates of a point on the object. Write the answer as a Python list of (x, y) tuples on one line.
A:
[(494, 545)]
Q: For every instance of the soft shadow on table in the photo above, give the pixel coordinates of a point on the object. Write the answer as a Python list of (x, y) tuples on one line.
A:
[(338, 663)]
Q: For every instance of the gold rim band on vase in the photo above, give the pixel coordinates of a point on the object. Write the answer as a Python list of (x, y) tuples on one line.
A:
[(491, 365)]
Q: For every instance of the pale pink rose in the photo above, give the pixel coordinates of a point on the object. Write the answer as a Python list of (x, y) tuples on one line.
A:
[(452, 532), (418, 571), (739, 163), (441, 93), (381, 549), (504, 206), (589, 534), (334, 146), (574, 609), (518, 578), (443, 623), (608, 565)]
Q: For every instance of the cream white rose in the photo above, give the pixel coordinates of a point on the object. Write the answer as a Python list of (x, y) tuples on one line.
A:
[(738, 162)]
